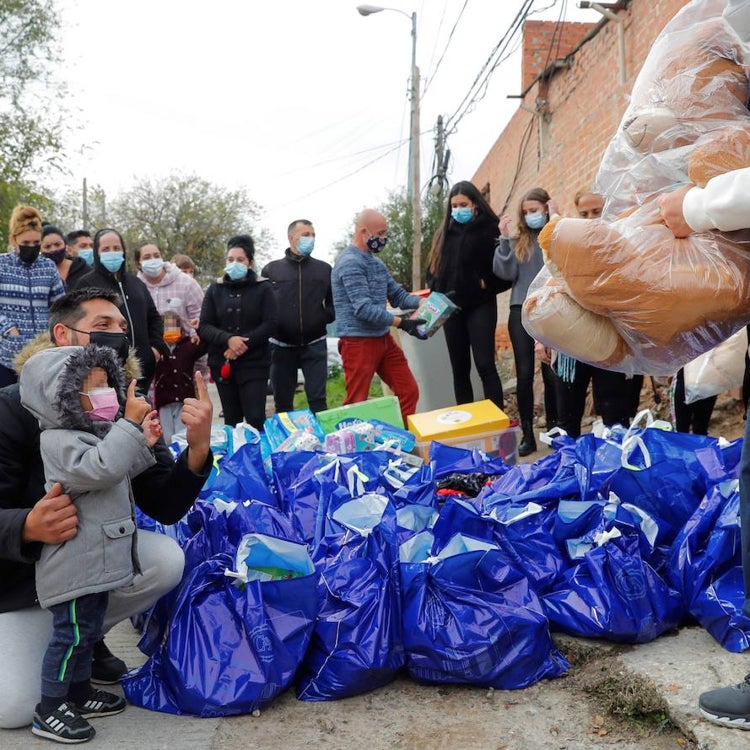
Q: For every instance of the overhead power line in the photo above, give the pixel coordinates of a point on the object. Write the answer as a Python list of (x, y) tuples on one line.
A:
[(497, 55), (445, 49)]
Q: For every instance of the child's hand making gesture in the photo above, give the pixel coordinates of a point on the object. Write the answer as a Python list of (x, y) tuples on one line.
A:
[(151, 427), (138, 410)]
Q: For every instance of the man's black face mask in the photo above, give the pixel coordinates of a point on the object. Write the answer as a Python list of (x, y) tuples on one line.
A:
[(117, 341)]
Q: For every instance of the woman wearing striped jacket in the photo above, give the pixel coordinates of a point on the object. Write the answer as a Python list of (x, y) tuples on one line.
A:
[(29, 284)]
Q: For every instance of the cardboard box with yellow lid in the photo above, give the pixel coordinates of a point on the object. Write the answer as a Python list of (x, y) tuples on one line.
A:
[(481, 425)]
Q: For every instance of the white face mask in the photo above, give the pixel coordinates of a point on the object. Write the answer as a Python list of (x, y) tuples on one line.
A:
[(152, 266)]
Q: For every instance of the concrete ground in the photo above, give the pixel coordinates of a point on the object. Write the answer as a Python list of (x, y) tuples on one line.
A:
[(681, 666)]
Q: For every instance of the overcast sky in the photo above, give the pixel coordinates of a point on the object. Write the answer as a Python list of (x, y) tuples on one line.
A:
[(290, 99)]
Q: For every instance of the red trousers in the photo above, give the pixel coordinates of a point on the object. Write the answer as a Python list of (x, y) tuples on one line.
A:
[(364, 356)]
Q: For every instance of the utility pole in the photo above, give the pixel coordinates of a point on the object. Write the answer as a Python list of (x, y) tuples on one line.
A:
[(416, 205), (440, 155), (412, 188), (85, 206)]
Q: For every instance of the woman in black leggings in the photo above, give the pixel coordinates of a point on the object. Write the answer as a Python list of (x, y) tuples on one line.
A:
[(518, 260), (461, 266)]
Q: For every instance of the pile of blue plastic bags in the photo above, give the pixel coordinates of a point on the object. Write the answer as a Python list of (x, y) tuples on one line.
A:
[(333, 574)]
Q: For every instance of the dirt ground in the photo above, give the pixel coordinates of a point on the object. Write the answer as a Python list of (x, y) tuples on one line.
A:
[(587, 709)]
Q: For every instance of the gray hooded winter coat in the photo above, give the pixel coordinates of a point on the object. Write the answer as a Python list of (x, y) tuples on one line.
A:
[(94, 462)]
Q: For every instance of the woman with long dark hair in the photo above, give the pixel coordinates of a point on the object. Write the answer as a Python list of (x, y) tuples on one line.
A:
[(460, 265), (518, 260)]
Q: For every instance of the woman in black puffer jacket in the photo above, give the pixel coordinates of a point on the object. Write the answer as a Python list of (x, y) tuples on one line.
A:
[(145, 327), (237, 318), (461, 266)]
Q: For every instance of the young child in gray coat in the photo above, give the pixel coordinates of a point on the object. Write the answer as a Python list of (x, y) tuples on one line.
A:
[(95, 436)]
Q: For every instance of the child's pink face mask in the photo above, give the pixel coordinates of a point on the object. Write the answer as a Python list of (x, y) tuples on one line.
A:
[(104, 404)]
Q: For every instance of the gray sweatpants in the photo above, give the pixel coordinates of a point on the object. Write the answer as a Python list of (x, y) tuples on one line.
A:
[(24, 634)]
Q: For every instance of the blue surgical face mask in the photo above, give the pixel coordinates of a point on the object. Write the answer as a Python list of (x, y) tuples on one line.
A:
[(305, 245), (112, 260), (236, 271), (536, 220), (376, 244), (152, 267), (86, 254), (462, 215)]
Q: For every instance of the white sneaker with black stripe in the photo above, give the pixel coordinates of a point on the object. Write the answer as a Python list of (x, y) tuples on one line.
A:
[(101, 703), (63, 724)]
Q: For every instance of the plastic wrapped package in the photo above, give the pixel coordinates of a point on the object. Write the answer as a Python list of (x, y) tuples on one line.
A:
[(648, 301), (719, 370), (437, 308)]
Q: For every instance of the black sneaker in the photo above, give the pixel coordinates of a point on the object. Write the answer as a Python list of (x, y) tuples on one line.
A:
[(728, 706), (106, 668), (63, 724), (100, 703)]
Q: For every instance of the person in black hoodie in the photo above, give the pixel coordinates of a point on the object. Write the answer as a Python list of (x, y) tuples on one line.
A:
[(460, 266), (145, 326), (54, 247), (237, 318), (303, 291)]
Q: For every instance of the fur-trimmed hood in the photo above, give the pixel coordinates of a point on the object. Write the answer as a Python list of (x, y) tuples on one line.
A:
[(52, 380), (42, 341)]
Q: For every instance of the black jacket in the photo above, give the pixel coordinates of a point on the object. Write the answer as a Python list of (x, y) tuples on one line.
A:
[(303, 295), (145, 326), (165, 492), (239, 308), (78, 269), (466, 261)]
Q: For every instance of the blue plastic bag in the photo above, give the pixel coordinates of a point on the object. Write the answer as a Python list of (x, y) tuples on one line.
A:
[(663, 473), (471, 618), (229, 649), (419, 489), (706, 566), (524, 534), (718, 608), (212, 528), (709, 543), (614, 594), (357, 644), (577, 523), (448, 459), (242, 476), (545, 482), (303, 487)]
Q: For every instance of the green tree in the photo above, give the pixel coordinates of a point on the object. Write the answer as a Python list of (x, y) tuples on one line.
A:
[(187, 214), (397, 254), (31, 111)]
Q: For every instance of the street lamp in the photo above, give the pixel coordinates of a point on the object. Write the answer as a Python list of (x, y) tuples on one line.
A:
[(413, 186)]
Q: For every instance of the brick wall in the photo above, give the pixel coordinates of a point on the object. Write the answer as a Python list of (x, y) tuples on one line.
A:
[(561, 150), (543, 42)]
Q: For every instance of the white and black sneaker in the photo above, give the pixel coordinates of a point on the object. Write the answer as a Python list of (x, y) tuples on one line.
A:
[(100, 703), (728, 706), (63, 724)]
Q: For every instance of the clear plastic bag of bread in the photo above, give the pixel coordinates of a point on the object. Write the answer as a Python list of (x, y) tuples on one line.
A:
[(622, 292)]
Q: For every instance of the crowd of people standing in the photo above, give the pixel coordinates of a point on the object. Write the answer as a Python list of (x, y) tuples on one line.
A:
[(123, 357)]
